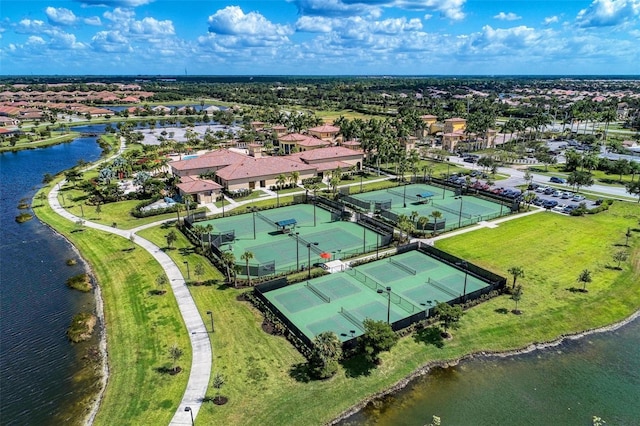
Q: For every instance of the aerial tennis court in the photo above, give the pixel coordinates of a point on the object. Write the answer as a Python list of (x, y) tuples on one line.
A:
[(457, 211), (340, 302), (289, 238)]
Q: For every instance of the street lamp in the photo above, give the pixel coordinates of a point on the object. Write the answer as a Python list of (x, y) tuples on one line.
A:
[(380, 291), (377, 245), (361, 175), (466, 273), (297, 250), (309, 257), (253, 211), (188, 272), (404, 194), (190, 412), (315, 201), (223, 204), (460, 212), (211, 316)]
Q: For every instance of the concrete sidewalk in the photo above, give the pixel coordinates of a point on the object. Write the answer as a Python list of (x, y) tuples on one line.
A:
[(198, 334)]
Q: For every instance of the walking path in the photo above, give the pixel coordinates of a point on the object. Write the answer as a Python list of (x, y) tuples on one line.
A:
[(198, 334)]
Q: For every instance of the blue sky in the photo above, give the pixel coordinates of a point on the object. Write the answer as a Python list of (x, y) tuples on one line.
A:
[(319, 37)]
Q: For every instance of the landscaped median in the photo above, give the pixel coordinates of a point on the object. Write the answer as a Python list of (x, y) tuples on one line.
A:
[(265, 378)]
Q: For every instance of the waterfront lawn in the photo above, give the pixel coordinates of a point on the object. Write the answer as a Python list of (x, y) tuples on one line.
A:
[(140, 328), (265, 375)]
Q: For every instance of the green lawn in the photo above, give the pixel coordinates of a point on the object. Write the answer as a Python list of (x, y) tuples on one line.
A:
[(262, 372), (140, 328), (258, 367)]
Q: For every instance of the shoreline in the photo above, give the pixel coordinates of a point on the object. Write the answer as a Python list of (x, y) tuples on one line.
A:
[(96, 399), (426, 368)]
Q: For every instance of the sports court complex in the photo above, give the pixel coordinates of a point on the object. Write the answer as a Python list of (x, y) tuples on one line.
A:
[(290, 238), (457, 210), (340, 302)]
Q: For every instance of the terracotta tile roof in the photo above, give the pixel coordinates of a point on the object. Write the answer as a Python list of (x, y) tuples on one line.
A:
[(262, 167), (326, 128), (311, 142), (292, 137), (332, 165), (194, 186), (332, 152), (455, 120), (214, 159)]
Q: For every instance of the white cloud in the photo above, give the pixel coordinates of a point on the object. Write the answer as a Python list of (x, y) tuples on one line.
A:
[(35, 41), (92, 20), (61, 40), (30, 26), (450, 9), (60, 16), (507, 16), (233, 21), (427, 17), (151, 26), (115, 3), (110, 42), (607, 13), (337, 8), (315, 24), (551, 20), (119, 15)]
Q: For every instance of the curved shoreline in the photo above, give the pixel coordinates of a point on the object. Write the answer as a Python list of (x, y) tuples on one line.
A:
[(426, 368), (102, 330)]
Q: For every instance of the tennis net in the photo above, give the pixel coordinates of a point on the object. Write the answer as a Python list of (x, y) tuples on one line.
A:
[(352, 319), (403, 267), (441, 287), (318, 293)]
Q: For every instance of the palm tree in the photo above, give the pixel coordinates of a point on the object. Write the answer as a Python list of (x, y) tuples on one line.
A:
[(228, 260), (516, 272), (436, 215), (516, 296), (293, 178), (422, 222), (187, 199), (281, 179), (247, 256)]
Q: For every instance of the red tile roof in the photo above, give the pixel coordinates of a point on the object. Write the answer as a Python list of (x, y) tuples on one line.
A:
[(194, 186), (326, 128), (333, 152), (258, 167), (214, 159)]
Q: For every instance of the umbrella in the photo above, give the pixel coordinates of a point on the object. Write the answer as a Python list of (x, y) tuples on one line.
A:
[(325, 255)]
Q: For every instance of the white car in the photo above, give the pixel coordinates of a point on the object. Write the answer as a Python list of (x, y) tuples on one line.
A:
[(578, 198)]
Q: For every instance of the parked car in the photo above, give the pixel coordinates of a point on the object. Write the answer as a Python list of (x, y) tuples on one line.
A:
[(568, 209), (565, 195), (556, 194), (556, 179), (549, 191), (549, 204), (578, 198), (542, 188)]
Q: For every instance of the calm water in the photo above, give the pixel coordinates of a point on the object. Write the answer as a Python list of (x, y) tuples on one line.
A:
[(37, 361), (565, 385)]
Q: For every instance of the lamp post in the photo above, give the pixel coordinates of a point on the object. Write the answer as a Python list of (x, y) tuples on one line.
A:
[(466, 273), (297, 251), (361, 176), (253, 211), (380, 291), (223, 204), (404, 194), (309, 257), (460, 212), (190, 412), (82, 210), (377, 245), (315, 201), (211, 316), (188, 272)]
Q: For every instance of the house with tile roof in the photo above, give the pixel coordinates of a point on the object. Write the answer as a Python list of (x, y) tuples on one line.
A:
[(296, 142), (237, 171), (203, 190), (325, 132)]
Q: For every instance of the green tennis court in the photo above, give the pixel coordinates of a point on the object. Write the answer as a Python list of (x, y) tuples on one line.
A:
[(300, 245), (456, 210), (340, 302)]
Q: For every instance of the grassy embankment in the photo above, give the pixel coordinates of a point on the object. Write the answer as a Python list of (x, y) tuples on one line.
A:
[(25, 143), (140, 327), (264, 378)]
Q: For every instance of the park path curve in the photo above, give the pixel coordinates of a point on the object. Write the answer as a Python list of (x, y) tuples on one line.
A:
[(198, 382)]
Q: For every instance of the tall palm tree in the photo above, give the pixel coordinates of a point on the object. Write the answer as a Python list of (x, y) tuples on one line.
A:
[(422, 222), (247, 256), (228, 260), (293, 178), (281, 179), (436, 215), (584, 278)]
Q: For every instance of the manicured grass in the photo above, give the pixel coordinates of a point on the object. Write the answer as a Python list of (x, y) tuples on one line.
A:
[(260, 369), (25, 143), (140, 328), (263, 372)]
